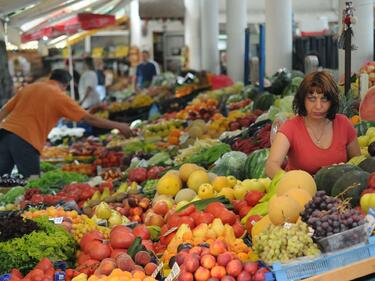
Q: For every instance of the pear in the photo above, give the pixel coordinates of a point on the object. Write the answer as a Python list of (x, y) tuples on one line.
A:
[(105, 194), (115, 218), (103, 211)]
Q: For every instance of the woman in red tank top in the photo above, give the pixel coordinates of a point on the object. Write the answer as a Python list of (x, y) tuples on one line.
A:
[(317, 136)]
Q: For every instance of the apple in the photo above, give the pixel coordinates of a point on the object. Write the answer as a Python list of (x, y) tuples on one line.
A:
[(253, 184)]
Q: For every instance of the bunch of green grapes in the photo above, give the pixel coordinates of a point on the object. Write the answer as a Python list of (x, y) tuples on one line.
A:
[(284, 243)]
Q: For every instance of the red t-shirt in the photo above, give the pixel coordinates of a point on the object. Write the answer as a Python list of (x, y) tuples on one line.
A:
[(304, 155)]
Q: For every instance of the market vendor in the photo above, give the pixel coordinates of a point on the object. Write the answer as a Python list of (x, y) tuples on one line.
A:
[(317, 136), (28, 117)]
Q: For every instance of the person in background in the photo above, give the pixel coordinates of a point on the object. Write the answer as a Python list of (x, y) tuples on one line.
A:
[(145, 71), (76, 77), (317, 136), (101, 79), (27, 118), (88, 96)]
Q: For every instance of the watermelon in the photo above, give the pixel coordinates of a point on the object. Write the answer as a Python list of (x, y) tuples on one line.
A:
[(351, 186), (368, 165), (256, 163), (362, 127), (326, 177), (264, 101)]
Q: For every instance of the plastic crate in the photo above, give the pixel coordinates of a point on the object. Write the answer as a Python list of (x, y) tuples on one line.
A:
[(326, 262), (345, 239)]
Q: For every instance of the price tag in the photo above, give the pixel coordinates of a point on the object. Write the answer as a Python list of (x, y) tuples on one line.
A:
[(131, 224), (57, 220), (99, 170), (174, 272), (76, 162), (157, 270), (173, 229)]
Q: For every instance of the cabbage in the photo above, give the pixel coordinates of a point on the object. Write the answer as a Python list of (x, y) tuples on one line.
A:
[(230, 164), (270, 114)]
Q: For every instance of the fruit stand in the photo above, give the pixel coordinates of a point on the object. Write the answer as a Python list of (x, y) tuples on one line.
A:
[(187, 198)]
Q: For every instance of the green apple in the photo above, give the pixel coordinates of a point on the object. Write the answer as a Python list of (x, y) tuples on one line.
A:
[(239, 191), (370, 132), (253, 184), (266, 182), (363, 140)]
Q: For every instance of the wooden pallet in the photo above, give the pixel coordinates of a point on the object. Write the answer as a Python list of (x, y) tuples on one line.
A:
[(349, 272)]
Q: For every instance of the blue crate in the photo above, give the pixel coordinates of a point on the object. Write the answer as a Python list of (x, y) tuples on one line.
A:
[(324, 263)]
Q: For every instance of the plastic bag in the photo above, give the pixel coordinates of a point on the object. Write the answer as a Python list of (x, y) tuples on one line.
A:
[(280, 118)]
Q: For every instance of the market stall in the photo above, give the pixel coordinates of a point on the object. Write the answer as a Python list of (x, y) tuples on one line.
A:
[(187, 198)]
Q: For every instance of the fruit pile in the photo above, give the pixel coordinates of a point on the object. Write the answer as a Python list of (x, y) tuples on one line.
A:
[(201, 110), (214, 261), (328, 215), (284, 243), (82, 168), (118, 274)]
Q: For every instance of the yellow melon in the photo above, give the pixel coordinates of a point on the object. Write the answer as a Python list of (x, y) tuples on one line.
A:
[(300, 195), (283, 209), (296, 179), (260, 226), (186, 170), (196, 179), (169, 184)]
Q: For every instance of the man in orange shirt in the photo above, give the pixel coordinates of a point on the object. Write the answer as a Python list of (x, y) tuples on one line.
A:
[(28, 117)]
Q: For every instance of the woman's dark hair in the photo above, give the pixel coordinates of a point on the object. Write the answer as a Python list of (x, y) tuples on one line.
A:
[(61, 75), (324, 81), (89, 62)]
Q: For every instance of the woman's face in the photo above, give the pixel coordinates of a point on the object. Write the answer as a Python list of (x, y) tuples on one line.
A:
[(316, 104)]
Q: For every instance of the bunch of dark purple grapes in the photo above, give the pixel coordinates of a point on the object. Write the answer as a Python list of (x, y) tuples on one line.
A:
[(328, 215)]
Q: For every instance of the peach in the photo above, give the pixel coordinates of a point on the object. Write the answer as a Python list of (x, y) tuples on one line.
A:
[(218, 271), (218, 247), (224, 258), (196, 249), (125, 262), (185, 276), (205, 251), (244, 276), (106, 266), (161, 208), (234, 267), (150, 268), (180, 257), (213, 279), (228, 278), (208, 261), (142, 258), (191, 262), (202, 274), (251, 267)]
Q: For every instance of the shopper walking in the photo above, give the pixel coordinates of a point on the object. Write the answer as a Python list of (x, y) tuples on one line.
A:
[(28, 117), (145, 71), (87, 85), (317, 136)]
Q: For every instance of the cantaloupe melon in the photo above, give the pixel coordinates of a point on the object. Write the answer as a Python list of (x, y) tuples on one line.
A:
[(296, 179), (186, 170), (260, 226), (300, 195), (283, 209), (196, 179)]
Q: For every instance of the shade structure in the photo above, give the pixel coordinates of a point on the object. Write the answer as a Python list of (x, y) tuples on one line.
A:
[(82, 21)]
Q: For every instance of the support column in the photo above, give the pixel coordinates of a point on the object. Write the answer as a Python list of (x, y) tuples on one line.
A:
[(235, 29), (279, 42), (135, 24), (210, 35), (363, 34), (192, 32), (6, 82)]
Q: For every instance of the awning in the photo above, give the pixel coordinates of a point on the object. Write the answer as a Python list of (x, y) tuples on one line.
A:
[(83, 21)]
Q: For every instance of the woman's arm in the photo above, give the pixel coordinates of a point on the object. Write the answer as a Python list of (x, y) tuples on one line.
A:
[(353, 149), (278, 152)]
